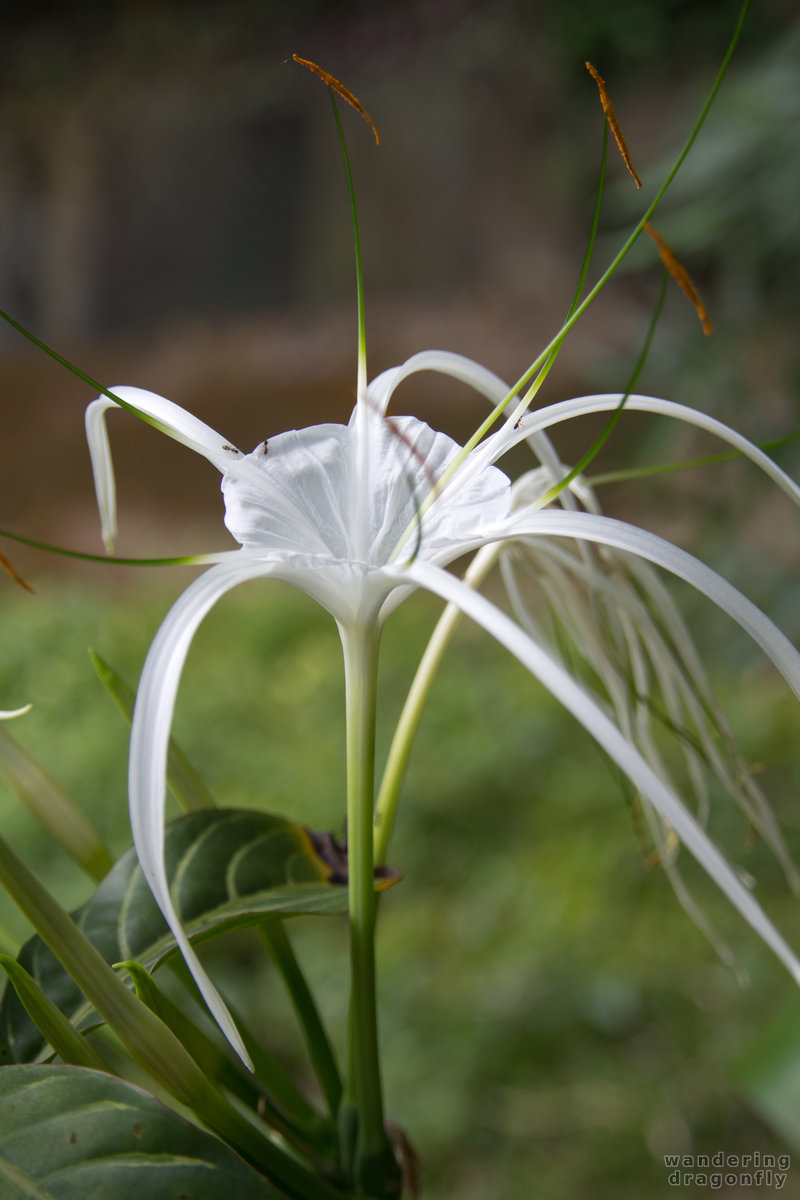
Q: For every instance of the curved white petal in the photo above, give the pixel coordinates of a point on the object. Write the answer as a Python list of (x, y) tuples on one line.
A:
[(565, 689), (150, 732), (457, 366), (9, 714), (611, 532), (499, 443), (476, 376), (169, 418)]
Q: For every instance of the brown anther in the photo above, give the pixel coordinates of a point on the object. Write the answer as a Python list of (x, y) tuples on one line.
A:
[(680, 275), (14, 573), (340, 90), (613, 123)]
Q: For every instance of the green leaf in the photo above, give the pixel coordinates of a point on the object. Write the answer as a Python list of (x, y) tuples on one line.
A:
[(68, 1133), (185, 784), (228, 868), (768, 1074), (70, 1045), (60, 816)]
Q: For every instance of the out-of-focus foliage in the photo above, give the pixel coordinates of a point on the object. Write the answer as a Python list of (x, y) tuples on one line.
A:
[(545, 1002)]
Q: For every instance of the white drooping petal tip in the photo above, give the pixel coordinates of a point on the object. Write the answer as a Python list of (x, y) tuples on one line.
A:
[(167, 417), (8, 714)]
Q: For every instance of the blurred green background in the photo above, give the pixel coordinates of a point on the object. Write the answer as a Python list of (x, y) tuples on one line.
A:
[(174, 216)]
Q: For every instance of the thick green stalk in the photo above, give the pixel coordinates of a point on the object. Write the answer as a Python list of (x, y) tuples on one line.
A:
[(374, 1165)]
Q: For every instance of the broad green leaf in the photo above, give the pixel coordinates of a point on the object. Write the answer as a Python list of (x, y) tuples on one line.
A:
[(68, 1133), (228, 868)]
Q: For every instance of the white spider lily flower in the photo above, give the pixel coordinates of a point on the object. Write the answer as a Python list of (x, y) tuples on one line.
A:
[(356, 516)]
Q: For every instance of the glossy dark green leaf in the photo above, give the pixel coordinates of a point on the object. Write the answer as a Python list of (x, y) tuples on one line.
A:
[(68, 1133), (227, 868)]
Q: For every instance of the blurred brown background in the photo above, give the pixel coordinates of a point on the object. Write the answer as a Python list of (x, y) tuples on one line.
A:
[(173, 214)]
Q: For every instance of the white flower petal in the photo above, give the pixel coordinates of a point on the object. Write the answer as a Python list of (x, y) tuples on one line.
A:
[(9, 714), (169, 418), (501, 442), (479, 378), (610, 532), (301, 493), (558, 681), (150, 732)]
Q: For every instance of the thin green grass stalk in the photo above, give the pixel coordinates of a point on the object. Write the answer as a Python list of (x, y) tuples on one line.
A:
[(406, 729), (709, 460), (587, 258), (184, 560), (361, 385), (70, 366), (544, 371), (555, 491), (556, 342), (274, 936)]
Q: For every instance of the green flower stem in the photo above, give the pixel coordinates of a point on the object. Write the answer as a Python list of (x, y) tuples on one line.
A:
[(363, 1102), (405, 732), (274, 936), (148, 1039)]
